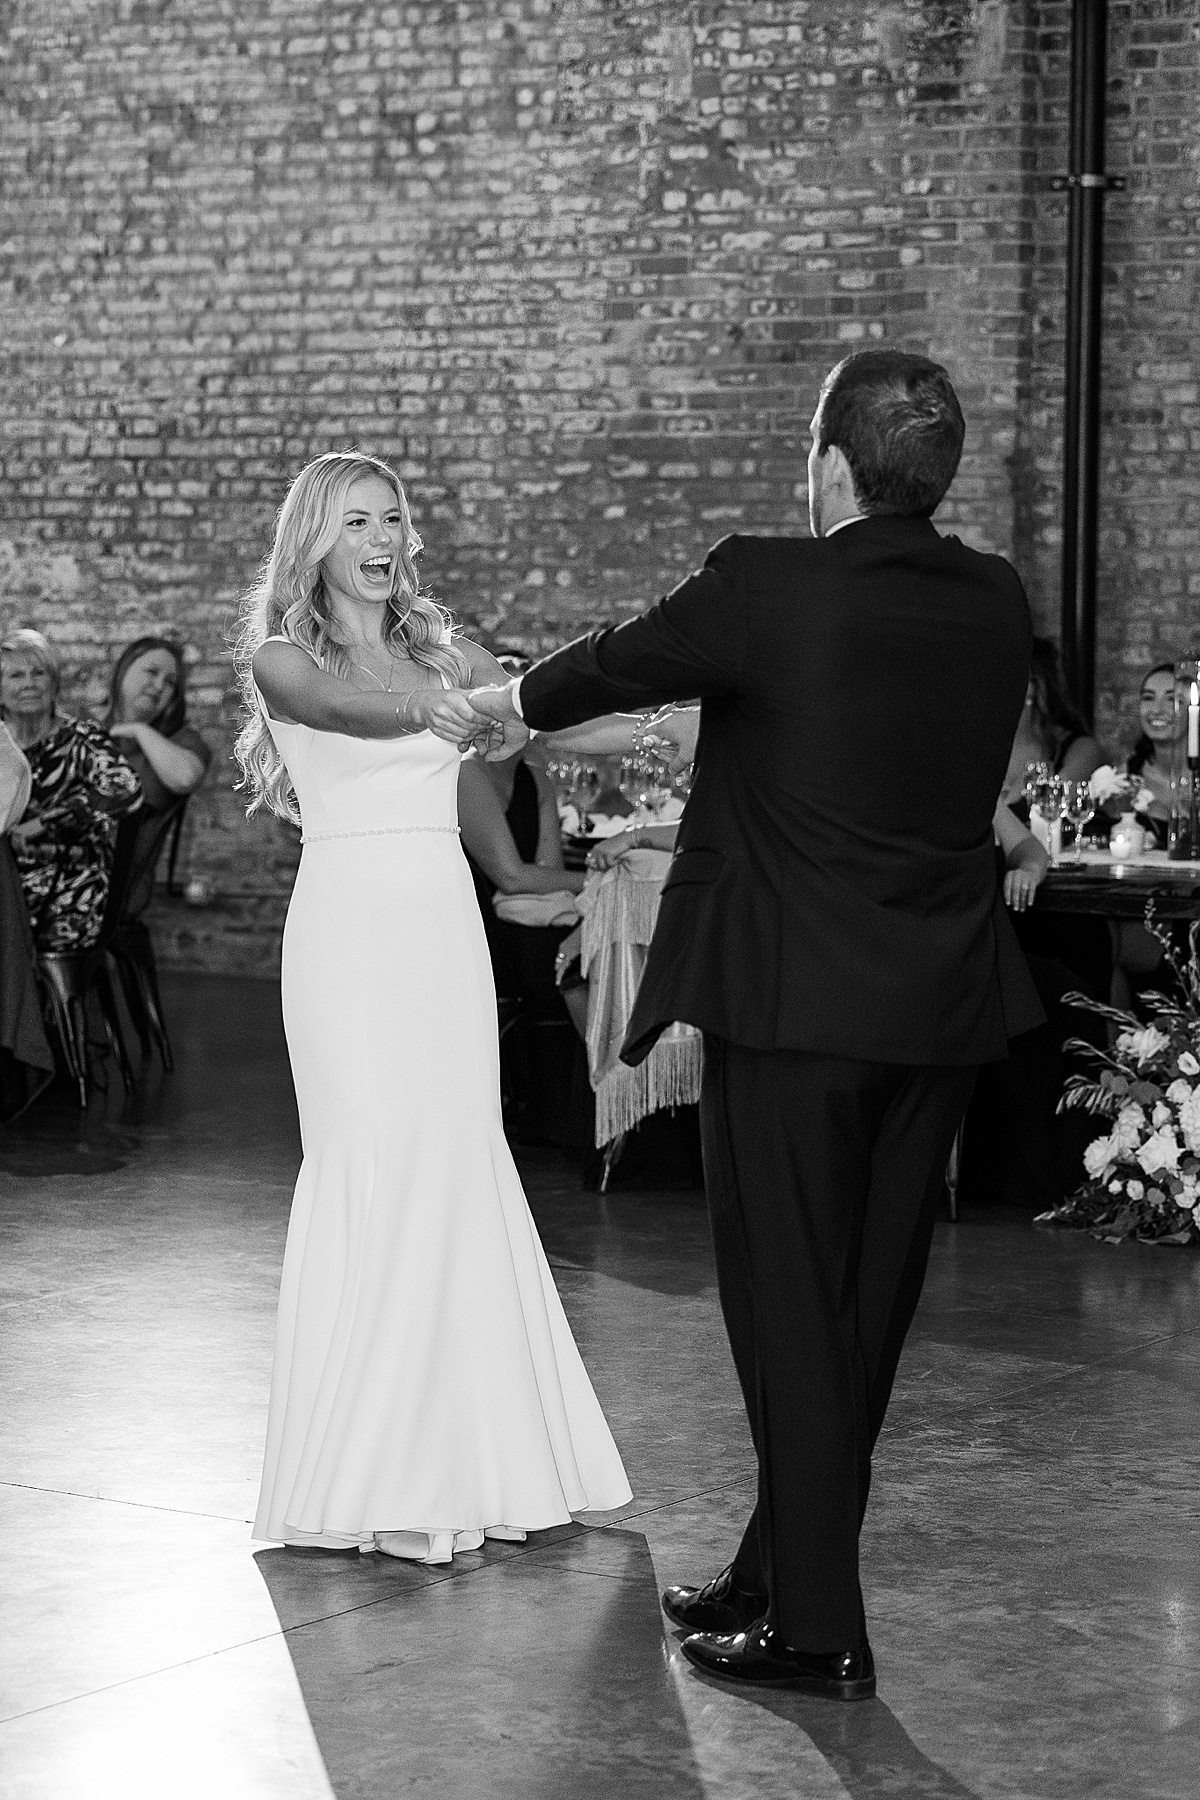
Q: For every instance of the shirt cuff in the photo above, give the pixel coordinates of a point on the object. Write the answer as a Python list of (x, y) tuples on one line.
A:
[(515, 695)]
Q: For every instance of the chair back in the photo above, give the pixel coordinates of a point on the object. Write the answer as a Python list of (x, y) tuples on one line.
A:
[(140, 838)]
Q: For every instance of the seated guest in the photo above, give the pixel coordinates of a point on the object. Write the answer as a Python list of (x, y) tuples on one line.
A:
[(26, 1064), (1050, 730), (79, 785), (1017, 1148), (510, 831), (1139, 955), (1150, 758), (147, 715)]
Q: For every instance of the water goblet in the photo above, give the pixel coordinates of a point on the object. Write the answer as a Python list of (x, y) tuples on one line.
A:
[(1078, 806), (585, 791)]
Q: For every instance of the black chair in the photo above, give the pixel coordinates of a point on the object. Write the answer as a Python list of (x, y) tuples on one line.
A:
[(128, 944), (122, 949)]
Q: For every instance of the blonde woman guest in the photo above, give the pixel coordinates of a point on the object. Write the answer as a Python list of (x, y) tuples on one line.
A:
[(426, 1391), (80, 786), (147, 715)]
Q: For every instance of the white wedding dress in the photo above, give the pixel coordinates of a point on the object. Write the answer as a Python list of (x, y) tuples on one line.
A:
[(425, 1377)]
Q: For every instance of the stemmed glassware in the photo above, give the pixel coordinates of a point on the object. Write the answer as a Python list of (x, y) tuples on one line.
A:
[(584, 787), (1078, 806)]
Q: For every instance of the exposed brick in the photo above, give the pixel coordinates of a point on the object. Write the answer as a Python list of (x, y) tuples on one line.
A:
[(576, 267)]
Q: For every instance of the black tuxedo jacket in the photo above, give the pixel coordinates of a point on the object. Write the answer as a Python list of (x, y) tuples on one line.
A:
[(833, 887)]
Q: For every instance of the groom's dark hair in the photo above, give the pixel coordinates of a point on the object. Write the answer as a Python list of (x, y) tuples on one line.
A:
[(896, 419)]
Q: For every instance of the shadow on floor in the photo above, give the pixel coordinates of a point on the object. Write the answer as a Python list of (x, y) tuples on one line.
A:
[(513, 1678)]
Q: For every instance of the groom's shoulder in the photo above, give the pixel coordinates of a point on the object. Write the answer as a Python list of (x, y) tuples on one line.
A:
[(747, 550), (987, 565)]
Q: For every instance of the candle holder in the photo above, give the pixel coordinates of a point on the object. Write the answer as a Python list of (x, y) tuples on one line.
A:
[(1183, 837)]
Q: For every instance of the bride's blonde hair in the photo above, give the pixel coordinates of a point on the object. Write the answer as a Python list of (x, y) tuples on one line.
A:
[(289, 599)]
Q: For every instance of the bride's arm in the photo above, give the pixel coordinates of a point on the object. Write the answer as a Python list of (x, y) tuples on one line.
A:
[(299, 693)]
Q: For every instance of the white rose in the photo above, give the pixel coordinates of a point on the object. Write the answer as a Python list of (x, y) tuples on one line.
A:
[(1127, 1132), (1114, 1187), (1189, 1122), (1161, 1113), (1188, 1063), (1191, 1190), (1104, 782), (1196, 1212), (1143, 800), (1145, 1044), (1159, 1152), (1098, 1157), (1179, 1091), (1135, 1190)]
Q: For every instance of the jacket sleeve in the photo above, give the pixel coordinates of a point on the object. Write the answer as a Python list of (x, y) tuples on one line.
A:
[(691, 644)]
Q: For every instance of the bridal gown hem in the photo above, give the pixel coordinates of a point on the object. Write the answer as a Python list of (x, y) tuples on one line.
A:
[(425, 1377)]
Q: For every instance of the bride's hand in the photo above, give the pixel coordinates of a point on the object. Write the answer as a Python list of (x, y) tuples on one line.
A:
[(445, 711)]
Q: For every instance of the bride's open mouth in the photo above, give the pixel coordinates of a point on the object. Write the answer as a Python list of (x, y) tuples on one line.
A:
[(376, 569)]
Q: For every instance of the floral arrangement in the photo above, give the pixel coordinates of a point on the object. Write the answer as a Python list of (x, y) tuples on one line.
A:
[(1143, 1174), (1118, 792)]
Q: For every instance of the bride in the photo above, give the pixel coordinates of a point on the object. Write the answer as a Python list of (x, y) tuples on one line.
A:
[(427, 1392)]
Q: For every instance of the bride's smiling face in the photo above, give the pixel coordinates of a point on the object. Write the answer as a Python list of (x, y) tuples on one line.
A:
[(362, 564)]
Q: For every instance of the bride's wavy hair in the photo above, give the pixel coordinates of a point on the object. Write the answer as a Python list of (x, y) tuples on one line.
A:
[(290, 599)]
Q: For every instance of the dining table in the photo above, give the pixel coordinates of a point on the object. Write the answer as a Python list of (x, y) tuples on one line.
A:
[(1097, 882)]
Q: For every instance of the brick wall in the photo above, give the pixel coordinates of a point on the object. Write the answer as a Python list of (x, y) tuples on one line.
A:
[(577, 269)]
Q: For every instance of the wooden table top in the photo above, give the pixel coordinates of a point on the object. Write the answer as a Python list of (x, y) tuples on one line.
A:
[(1100, 884)]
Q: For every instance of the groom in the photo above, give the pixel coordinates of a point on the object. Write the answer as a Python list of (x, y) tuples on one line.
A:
[(832, 924)]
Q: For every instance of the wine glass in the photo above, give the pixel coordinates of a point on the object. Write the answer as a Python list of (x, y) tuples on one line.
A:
[(585, 791), (1037, 774), (629, 782), (1078, 806), (1050, 803)]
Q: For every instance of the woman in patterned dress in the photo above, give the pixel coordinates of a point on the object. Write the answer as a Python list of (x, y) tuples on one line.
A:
[(81, 784)]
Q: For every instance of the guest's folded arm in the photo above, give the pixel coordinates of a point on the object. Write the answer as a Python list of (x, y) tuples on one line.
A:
[(487, 837)]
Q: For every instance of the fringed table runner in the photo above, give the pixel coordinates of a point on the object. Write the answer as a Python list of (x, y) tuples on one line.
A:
[(619, 910)]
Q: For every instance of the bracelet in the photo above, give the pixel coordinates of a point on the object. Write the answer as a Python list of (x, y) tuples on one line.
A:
[(402, 713)]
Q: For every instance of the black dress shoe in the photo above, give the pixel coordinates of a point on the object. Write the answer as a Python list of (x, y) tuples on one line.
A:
[(720, 1605), (760, 1656)]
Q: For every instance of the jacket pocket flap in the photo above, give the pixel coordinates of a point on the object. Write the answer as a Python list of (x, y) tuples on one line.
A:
[(694, 868)]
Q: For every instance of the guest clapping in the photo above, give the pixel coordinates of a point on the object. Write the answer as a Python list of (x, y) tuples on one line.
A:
[(1051, 729), (147, 715), (80, 784)]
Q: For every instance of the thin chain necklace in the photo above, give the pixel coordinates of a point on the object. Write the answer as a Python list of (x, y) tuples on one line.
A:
[(379, 678)]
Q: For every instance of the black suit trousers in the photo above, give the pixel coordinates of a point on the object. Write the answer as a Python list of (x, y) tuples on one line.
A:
[(824, 1177)]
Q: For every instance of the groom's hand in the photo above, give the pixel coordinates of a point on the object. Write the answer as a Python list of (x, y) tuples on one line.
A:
[(506, 732)]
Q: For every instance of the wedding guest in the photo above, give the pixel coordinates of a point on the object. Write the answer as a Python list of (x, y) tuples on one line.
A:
[(510, 831), (79, 785), (147, 715), (1051, 729), (26, 1064), (1150, 758), (1017, 1148), (1138, 953)]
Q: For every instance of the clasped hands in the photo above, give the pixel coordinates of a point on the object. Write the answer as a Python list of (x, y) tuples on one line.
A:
[(482, 719)]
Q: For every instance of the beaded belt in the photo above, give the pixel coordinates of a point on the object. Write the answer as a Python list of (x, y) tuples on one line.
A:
[(322, 837)]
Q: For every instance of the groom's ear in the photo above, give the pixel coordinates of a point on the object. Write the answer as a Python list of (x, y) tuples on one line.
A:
[(838, 474)]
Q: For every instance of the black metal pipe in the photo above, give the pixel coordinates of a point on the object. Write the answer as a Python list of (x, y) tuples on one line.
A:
[(1086, 184)]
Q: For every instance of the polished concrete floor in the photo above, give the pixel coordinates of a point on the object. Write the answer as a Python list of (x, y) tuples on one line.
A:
[(1031, 1559)]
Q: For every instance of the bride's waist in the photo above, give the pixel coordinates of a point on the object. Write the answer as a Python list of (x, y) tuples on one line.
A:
[(363, 833)]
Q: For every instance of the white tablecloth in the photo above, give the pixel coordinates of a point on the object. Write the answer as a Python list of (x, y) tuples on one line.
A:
[(619, 910)]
